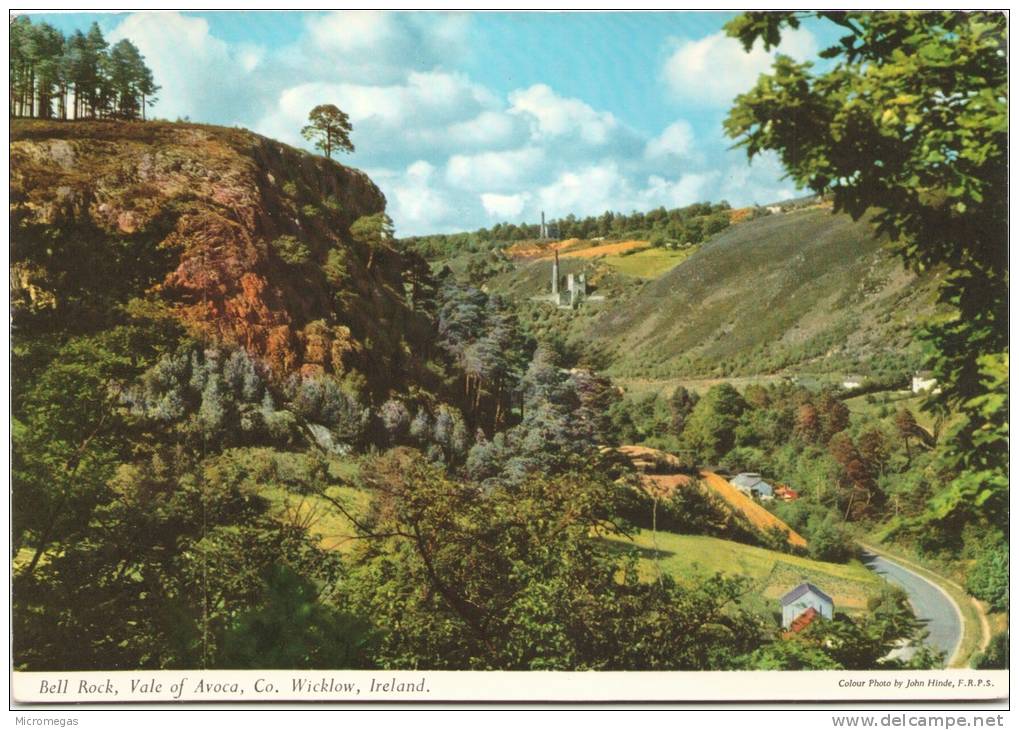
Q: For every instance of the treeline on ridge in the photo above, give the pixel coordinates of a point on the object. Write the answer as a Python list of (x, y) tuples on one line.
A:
[(676, 227), (80, 76)]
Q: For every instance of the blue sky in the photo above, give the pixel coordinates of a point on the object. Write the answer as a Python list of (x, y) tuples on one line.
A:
[(468, 119)]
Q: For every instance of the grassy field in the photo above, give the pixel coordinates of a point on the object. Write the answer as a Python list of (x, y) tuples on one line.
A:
[(321, 518), (664, 386), (690, 557), (323, 521), (650, 263), (889, 403)]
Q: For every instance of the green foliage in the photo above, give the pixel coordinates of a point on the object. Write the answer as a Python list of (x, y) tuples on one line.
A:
[(175, 553), (373, 230), (679, 226), (45, 66), (210, 397), (988, 580), (911, 120), (482, 336), (691, 510), (515, 580), (323, 400), (843, 643), (710, 429), (827, 541), (996, 654), (291, 628), (291, 250), (757, 302), (69, 435), (781, 656), (329, 128)]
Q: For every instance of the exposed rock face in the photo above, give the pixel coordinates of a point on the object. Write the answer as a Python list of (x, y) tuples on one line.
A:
[(190, 217)]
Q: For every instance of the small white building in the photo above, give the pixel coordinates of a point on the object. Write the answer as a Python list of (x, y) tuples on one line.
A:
[(852, 382), (923, 382), (801, 599), (751, 484)]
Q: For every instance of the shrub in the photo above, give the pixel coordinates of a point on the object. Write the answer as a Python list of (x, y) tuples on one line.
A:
[(988, 580), (996, 655), (827, 541), (291, 251)]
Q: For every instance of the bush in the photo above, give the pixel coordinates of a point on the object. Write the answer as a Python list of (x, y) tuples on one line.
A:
[(996, 655), (291, 251), (322, 400), (988, 580), (827, 541)]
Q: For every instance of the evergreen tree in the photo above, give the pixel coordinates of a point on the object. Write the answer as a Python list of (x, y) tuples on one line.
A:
[(908, 122), (46, 68), (329, 128)]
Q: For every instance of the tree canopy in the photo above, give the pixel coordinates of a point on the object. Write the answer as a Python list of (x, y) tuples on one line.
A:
[(907, 122), (81, 73), (329, 128)]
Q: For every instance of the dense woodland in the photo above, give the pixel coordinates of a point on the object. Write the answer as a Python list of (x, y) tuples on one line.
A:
[(180, 503), (76, 77)]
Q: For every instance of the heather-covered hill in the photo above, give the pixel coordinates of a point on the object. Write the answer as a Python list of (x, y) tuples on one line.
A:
[(805, 291), (239, 238)]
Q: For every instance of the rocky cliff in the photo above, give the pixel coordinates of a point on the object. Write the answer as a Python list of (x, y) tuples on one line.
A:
[(241, 239)]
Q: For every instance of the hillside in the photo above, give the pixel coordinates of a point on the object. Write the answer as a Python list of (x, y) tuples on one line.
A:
[(689, 557), (757, 515), (235, 237), (805, 291)]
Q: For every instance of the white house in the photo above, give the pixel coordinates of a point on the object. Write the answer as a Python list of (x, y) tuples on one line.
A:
[(751, 484), (923, 382), (802, 598)]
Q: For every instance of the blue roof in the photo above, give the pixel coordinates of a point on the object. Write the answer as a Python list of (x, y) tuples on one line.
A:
[(801, 590), (753, 482)]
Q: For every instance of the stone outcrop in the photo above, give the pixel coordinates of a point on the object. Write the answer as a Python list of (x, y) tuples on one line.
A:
[(201, 210)]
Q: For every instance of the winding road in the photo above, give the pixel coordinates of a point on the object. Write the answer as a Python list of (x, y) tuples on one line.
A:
[(930, 604)]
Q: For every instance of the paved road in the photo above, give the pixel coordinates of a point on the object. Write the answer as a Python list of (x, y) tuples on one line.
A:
[(929, 603)]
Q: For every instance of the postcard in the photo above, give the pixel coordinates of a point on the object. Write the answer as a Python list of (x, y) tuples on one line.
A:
[(393, 356)]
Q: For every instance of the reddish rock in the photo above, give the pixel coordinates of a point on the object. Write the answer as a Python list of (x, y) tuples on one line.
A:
[(214, 200)]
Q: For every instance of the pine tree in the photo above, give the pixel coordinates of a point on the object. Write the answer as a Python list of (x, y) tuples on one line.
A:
[(329, 128)]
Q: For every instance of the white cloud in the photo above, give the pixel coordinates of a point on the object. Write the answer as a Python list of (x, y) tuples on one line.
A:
[(760, 182), (713, 70), (198, 72), (353, 32), (688, 189), (380, 47), (504, 207), (587, 191), (606, 186), (391, 122), (250, 57), (449, 153), (556, 116), (493, 170), (488, 129), (676, 140), (416, 202)]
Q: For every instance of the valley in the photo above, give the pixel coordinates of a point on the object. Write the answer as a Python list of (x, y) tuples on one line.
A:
[(258, 426)]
